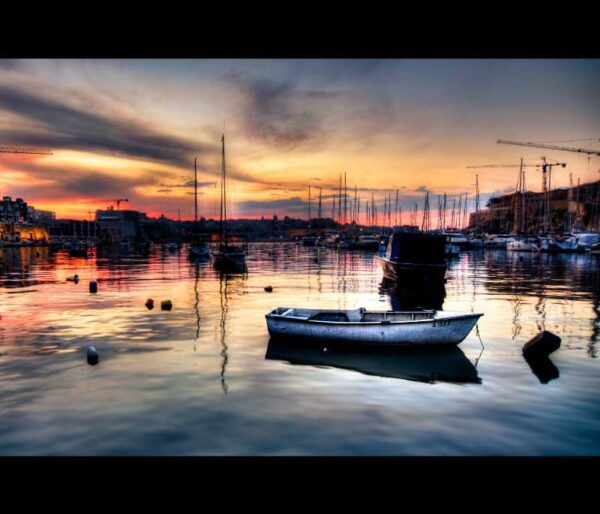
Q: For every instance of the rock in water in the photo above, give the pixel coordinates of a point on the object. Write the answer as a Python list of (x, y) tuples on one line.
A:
[(149, 304), (93, 286), (542, 344), (92, 356), (166, 305)]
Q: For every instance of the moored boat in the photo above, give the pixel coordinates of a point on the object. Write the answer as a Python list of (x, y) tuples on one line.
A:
[(226, 256), (522, 245), (411, 254), (497, 240), (309, 241), (373, 328)]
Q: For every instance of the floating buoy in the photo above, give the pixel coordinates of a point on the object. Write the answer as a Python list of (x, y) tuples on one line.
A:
[(166, 305), (269, 289), (542, 344), (93, 286), (92, 356), (149, 303)]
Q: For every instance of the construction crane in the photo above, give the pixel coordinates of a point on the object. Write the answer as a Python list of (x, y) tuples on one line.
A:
[(546, 180), (116, 200), (546, 169), (25, 150), (550, 147)]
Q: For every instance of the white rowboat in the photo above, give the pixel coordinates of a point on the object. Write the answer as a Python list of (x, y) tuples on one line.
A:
[(374, 328)]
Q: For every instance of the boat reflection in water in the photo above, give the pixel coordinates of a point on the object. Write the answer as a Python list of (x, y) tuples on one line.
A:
[(444, 364), (413, 295)]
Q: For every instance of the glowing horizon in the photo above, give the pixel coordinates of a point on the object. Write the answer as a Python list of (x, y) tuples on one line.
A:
[(131, 129)]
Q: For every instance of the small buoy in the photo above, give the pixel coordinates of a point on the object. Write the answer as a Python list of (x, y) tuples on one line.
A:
[(269, 289), (325, 349), (542, 344), (166, 305), (149, 304), (92, 356), (93, 286)]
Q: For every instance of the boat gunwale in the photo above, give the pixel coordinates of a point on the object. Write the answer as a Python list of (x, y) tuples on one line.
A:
[(382, 322)]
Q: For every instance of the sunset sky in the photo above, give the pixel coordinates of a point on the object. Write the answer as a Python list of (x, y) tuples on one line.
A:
[(131, 129)]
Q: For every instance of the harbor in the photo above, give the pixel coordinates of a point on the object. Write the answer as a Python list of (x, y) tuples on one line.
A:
[(219, 261), (166, 379)]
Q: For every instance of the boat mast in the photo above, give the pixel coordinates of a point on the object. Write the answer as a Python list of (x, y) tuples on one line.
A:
[(195, 196), (476, 205), (309, 206), (223, 220)]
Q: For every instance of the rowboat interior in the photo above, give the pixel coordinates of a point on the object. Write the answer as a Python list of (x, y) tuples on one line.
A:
[(360, 315)]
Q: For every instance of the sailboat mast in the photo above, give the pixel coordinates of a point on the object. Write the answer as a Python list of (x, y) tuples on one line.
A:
[(223, 195), (195, 196), (308, 206)]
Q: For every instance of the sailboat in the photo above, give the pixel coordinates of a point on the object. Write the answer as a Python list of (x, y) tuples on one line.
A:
[(199, 246), (226, 256)]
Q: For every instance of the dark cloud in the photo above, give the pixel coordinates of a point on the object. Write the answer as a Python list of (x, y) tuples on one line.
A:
[(72, 183), (276, 113), (190, 183), (289, 205), (58, 125), (10, 64)]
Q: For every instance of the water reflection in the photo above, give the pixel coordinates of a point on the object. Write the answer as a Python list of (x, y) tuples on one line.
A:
[(543, 368), (152, 381), (408, 297), (420, 365)]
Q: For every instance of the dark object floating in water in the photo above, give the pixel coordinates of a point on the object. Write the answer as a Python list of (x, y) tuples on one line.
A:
[(74, 278), (166, 305), (269, 289), (93, 286), (536, 352), (92, 356), (542, 344), (149, 304)]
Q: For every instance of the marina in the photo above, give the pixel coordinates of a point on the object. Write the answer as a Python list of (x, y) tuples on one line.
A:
[(299, 257), (165, 379)]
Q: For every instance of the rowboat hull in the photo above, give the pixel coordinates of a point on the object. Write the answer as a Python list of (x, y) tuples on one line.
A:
[(410, 272), (437, 331)]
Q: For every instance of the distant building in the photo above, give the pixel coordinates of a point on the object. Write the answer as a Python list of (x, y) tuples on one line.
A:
[(117, 225), (579, 209), (18, 233), (13, 211), (39, 215)]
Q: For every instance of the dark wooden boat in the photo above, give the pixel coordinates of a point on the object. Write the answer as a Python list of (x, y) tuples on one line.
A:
[(414, 256)]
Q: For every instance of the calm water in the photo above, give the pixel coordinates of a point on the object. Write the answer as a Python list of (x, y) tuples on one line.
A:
[(204, 379)]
